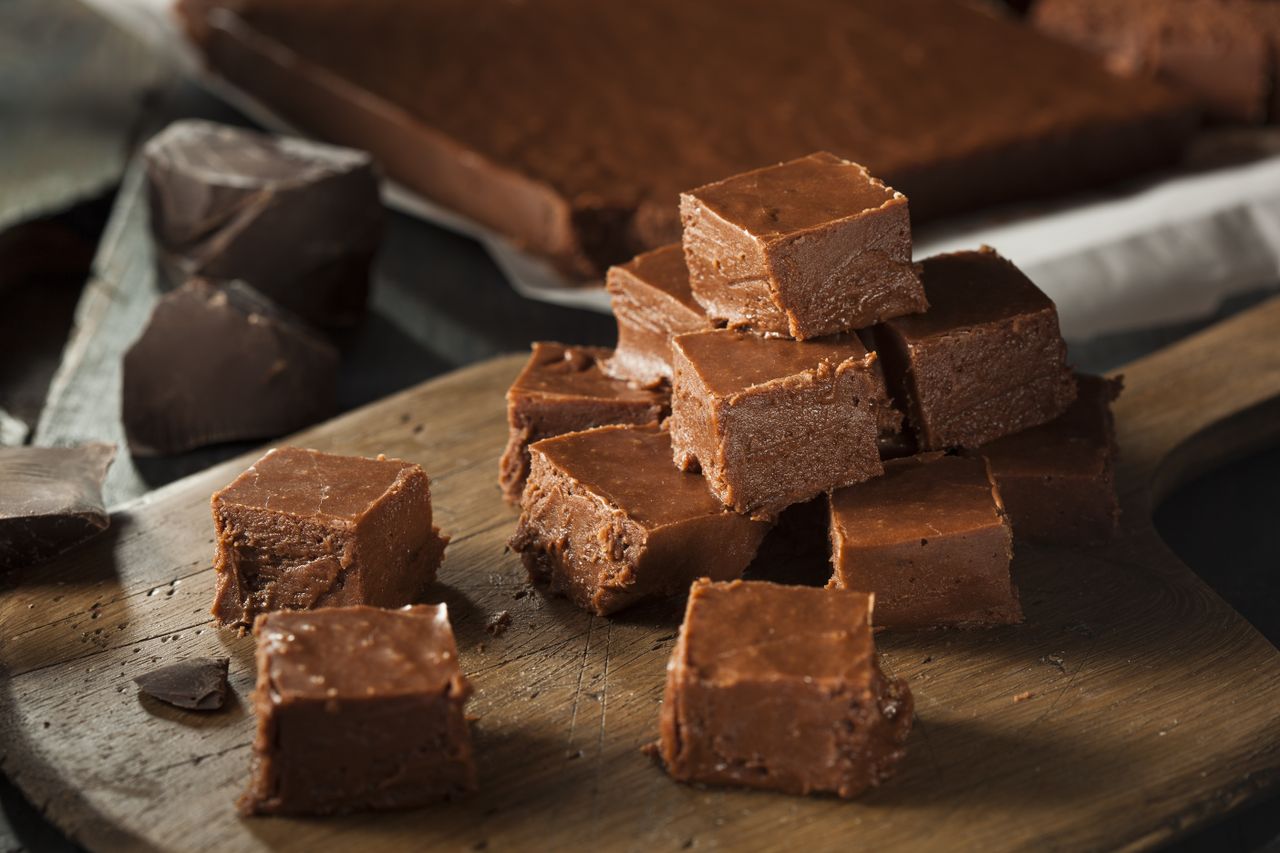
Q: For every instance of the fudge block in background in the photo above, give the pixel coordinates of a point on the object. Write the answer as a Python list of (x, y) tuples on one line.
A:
[(223, 363), (802, 249), (50, 500), (562, 389), (652, 302), (779, 687), (298, 220), (986, 360), (302, 529), (931, 540), (1057, 480), (773, 422), (358, 708), (607, 520)]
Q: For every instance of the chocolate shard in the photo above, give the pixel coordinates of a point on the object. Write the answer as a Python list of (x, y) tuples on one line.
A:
[(297, 220), (50, 500), (198, 684), (221, 363)]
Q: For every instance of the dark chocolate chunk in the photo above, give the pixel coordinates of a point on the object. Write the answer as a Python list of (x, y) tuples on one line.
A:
[(220, 363), (499, 623), (198, 684), (50, 499), (297, 220)]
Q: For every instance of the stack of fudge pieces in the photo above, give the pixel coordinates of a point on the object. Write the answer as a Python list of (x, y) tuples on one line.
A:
[(789, 352)]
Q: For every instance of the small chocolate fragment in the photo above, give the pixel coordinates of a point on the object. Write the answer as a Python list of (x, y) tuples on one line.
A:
[(607, 520), (779, 687), (198, 684), (930, 539), (987, 358), (50, 500), (358, 708), (498, 623), (1057, 480), (223, 363), (298, 220), (652, 301), (562, 389), (302, 529)]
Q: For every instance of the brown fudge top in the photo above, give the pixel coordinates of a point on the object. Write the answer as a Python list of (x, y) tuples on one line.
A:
[(800, 195), (630, 466), (967, 289), (762, 631), (310, 483), (557, 370), (358, 652), (942, 494), (663, 270), (50, 499), (613, 122), (730, 361)]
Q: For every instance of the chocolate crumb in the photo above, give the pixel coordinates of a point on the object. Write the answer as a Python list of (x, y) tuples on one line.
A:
[(198, 684), (1023, 696), (1055, 659), (498, 623)]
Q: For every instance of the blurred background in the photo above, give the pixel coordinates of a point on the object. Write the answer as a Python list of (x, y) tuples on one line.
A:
[(1134, 264)]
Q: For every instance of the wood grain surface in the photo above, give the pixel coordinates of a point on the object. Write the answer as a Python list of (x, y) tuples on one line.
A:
[(1131, 706)]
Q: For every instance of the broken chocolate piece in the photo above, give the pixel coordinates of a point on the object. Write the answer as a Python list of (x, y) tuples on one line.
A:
[(498, 623), (297, 220), (302, 529), (198, 684), (50, 500), (223, 363)]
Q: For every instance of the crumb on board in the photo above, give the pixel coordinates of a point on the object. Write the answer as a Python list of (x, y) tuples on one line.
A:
[(1023, 696), (498, 623)]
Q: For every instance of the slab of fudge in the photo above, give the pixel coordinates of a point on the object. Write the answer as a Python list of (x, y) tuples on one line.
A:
[(358, 708), (931, 539), (653, 303), (1057, 480), (812, 247), (297, 220), (562, 389), (588, 175), (779, 687), (608, 521), (222, 363), (986, 360), (302, 529), (773, 422), (50, 500), (1221, 52)]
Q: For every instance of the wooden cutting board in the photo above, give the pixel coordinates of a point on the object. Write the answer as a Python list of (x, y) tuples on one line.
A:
[(1132, 705)]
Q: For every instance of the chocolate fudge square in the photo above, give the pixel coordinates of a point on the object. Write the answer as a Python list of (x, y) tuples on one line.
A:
[(358, 708), (1058, 480), (302, 529), (773, 422), (779, 687), (931, 540), (562, 389), (608, 521), (802, 249), (987, 359), (653, 303)]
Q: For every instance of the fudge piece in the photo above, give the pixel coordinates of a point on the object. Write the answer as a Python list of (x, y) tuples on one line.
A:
[(562, 389), (297, 220), (773, 422), (1222, 51), (198, 684), (779, 687), (223, 363), (358, 708), (987, 359), (50, 500), (652, 302), (921, 91), (803, 249), (1057, 480), (930, 538), (607, 521), (302, 529)]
